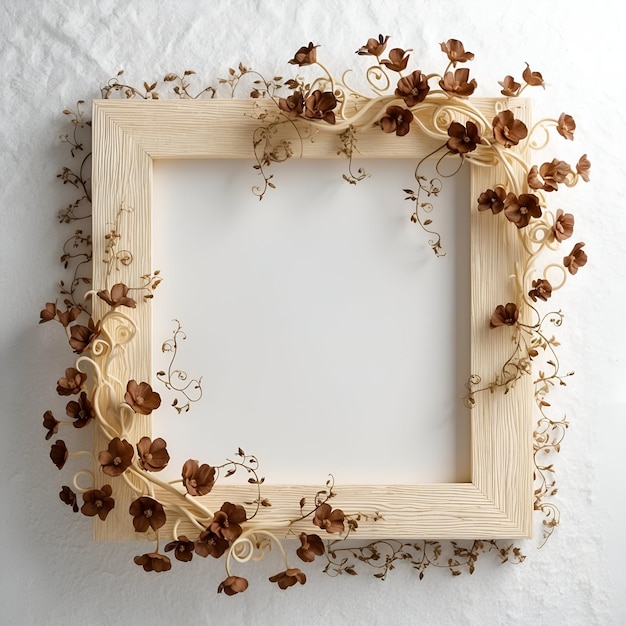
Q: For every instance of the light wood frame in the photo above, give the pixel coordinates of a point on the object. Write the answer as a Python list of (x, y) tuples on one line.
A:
[(498, 502)]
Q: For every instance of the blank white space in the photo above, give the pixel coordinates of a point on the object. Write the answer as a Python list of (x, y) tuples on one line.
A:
[(329, 338)]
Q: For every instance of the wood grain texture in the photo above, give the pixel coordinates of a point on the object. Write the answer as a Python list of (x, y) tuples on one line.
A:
[(129, 135)]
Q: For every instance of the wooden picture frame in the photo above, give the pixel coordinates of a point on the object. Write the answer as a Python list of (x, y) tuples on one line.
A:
[(128, 136)]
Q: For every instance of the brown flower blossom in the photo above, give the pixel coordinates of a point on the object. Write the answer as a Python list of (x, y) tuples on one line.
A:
[(51, 424), (226, 522), (576, 258), (81, 336), (456, 52), (183, 549), (374, 47), (154, 562), (98, 502), (566, 126), (534, 79), (198, 479), (504, 315), (69, 497), (563, 225), (311, 546), (208, 543), (288, 578), (71, 382), (233, 585), (292, 105), (306, 55), (153, 456), (68, 316), (492, 199), (117, 296), (549, 175), (509, 87), (59, 453), (463, 139), (320, 106), (396, 120), (147, 513), (413, 88), (457, 82), (117, 458), (141, 398), (397, 60), (49, 313), (81, 412), (520, 210), (542, 290), (582, 167), (507, 130), (329, 520)]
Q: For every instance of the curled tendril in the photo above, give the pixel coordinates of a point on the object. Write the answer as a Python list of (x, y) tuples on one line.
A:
[(77, 477)]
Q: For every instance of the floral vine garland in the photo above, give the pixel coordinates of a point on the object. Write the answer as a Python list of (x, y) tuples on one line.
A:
[(320, 105)]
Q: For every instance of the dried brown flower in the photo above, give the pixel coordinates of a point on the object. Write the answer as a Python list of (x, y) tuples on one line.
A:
[(374, 47), (311, 546), (306, 55), (154, 562), (141, 398), (397, 60), (507, 130), (413, 88), (396, 120), (208, 543), (504, 315), (69, 497), (492, 199), (49, 313), (329, 520), (81, 412), (576, 258), (320, 106), (549, 175), (542, 290), (68, 316), (463, 139), (81, 336), (456, 52), (520, 209), (233, 585), (566, 126), (183, 549), (198, 479), (51, 424), (582, 167), (117, 296), (509, 87), (226, 522), (71, 382), (147, 513), (534, 79), (293, 105), (59, 453), (563, 225), (457, 83), (288, 578), (98, 502), (117, 458), (153, 455)]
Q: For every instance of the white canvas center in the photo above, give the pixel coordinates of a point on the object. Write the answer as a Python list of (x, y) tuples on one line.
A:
[(329, 337)]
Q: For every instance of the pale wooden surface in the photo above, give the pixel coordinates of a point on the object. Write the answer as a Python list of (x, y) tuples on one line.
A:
[(498, 503)]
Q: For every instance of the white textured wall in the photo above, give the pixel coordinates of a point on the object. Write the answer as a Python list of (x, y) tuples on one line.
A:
[(55, 52)]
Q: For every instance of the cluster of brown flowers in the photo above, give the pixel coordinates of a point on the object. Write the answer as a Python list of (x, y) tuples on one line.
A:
[(313, 105)]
